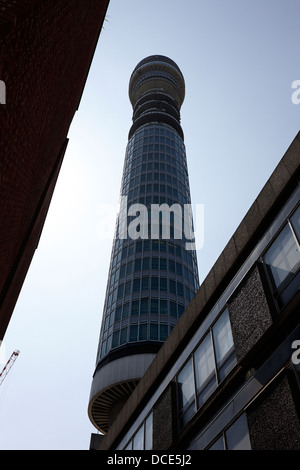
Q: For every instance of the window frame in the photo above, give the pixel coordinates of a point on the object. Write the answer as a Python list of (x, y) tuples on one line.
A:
[(184, 413), (278, 291)]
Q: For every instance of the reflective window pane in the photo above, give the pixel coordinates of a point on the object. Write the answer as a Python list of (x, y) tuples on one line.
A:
[(149, 432), (222, 336), (218, 445), (237, 436), (186, 385), (138, 439), (295, 220), (282, 256), (204, 362)]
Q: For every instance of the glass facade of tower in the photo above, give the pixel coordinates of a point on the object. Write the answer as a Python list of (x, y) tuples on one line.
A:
[(151, 281), (153, 272)]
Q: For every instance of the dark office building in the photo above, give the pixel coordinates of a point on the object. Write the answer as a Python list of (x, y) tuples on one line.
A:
[(153, 272), (46, 49), (228, 376)]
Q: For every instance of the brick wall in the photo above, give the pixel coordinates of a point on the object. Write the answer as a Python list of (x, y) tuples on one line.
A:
[(46, 48)]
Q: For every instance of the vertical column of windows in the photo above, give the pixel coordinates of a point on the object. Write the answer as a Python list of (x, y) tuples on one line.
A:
[(151, 281), (211, 361)]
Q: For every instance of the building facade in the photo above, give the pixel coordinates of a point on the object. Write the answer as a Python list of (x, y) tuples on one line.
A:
[(228, 376), (153, 272), (46, 49)]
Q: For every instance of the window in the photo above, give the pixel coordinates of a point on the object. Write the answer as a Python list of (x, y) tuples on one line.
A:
[(171, 266), (143, 438), (282, 256), (115, 339), (206, 380), (133, 333), (138, 439), (123, 336), (180, 310), (172, 284), (223, 341), (163, 307), (163, 332), (186, 392), (154, 306), (136, 285), (154, 283), (282, 260), (127, 287), (149, 432), (211, 361), (118, 313), (144, 306), (145, 283), (138, 264), (173, 309), (143, 332), (154, 331), (135, 307), (236, 437), (163, 264), (120, 291)]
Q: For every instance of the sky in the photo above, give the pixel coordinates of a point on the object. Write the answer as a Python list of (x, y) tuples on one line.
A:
[(239, 60)]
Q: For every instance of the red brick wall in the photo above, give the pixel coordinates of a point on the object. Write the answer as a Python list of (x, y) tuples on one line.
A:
[(46, 48)]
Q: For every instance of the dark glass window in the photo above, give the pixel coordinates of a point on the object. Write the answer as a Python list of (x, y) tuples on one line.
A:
[(143, 332), (115, 339), (154, 283), (126, 310), (135, 307), (180, 289), (118, 313), (120, 291), (237, 436), (295, 220), (138, 264), (163, 284), (154, 331), (186, 392), (172, 286), (282, 260), (144, 306), (163, 332), (154, 306), (163, 307), (145, 283), (133, 333), (123, 335), (171, 266), (163, 264), (173, 309), (136, 285), (180, 310), (283, 256), (127, 287)]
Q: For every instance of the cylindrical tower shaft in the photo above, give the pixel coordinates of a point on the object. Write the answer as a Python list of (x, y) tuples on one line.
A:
[(152, 275)]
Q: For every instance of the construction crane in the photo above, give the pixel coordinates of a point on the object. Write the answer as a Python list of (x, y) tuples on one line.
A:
[(9, 365)]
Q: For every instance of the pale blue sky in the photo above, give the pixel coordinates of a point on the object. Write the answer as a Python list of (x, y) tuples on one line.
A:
[(239, 60)]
